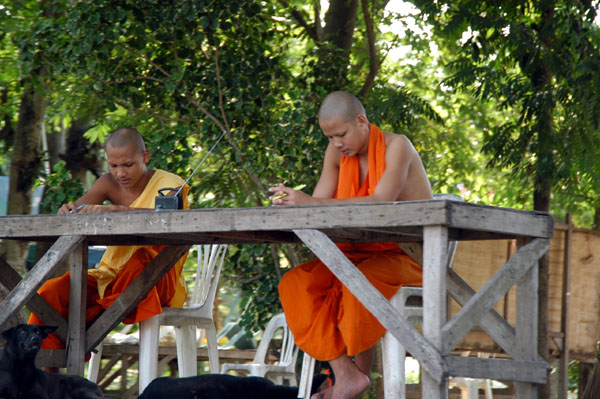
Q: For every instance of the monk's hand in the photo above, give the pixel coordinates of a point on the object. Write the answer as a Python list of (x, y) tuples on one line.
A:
[(67, 208), (279, 192), (283, 195)]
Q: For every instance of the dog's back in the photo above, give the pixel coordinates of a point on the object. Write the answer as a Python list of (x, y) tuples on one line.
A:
[(221, 386)]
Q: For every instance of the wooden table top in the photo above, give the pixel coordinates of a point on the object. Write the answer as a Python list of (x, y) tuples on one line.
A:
[(389, 221)]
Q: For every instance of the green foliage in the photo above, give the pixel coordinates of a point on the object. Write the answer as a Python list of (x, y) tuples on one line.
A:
[(60, 189), (538, 59), (467, 93)]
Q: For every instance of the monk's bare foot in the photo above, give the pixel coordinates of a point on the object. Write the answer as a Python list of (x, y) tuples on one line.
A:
[(352, 387), (344, 390), (324, 394)]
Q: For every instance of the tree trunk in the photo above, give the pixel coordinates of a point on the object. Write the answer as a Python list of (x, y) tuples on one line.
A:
[(541, 202), (331, 70), (24, 166), (541, 79), (81, 156)]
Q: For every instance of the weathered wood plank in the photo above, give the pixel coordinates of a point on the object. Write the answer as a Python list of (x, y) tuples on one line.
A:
[(435, 254), (257, 237), (28, 286), (38, 305), (492, 291), (488, 218), (133, 294), (374, 301), (389, 215), (77, 309), (527, 326), (498, 369), (492, 323), (241, 355)]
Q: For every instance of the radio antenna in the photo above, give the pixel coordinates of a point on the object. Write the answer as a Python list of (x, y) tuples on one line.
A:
[(171, 202), (201, 162)]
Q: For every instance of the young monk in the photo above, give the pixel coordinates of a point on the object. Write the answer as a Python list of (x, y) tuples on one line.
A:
[(361, 164), (129, 186)]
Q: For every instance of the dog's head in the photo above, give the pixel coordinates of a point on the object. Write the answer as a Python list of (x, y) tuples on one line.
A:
[(26, 339)]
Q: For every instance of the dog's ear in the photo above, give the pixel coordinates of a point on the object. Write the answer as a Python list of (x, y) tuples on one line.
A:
[(46, 330), (8, 334), (317, 381)]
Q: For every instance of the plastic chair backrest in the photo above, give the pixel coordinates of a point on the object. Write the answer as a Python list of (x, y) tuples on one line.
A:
[(287, 342), (208, 268)]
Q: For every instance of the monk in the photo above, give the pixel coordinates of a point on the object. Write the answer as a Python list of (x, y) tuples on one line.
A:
[(361, 164), (129, 186)]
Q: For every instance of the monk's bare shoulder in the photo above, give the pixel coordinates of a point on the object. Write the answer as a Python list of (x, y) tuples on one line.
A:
[(332, 156), (400, 149), (399, 142), (106, 183)]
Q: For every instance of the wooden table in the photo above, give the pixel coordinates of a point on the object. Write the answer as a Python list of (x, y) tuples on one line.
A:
[(431, 222)]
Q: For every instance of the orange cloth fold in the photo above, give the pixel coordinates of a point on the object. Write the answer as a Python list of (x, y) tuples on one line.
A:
[(119, 266), (326, 319)]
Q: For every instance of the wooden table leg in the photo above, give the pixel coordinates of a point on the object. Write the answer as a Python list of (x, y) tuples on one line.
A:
[(77, 310), (27, 287), (134, 293), (435, 249), (9, 278), (527, 326), (322, 246)]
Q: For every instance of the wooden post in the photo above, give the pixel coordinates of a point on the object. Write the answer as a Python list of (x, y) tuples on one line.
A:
[(435, 249), (564, 314), (77, 309), (527, 328)]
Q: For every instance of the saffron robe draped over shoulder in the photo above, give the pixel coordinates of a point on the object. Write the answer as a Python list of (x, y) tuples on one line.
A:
[(326, 319), (119, 266)]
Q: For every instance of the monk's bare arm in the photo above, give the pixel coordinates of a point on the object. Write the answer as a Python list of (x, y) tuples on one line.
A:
[(326, 186), (97, 194), (400, 157), (328, 181), (103, 189)]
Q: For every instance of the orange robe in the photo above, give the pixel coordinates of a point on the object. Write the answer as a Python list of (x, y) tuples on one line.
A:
[(326, 319), (119, 266)]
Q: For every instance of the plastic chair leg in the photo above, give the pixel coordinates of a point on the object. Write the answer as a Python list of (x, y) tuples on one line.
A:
[(487, 387), (94, 366), (148, 359), (186, 350), (393, 358), (213, 349), (306, 376)]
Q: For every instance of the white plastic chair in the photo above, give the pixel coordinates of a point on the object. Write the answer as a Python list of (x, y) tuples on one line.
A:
[(186, 320), (469, 387), (282, 369)]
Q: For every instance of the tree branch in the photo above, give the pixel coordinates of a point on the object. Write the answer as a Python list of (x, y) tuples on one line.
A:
[(275, 255), (148, 60), (374, 63), (220, 91), (310, 31)]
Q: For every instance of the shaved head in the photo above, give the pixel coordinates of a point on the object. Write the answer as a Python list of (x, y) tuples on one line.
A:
[(126, 136), (342, 104)]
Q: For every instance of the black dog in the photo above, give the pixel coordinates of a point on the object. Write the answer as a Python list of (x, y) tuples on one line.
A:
[(19, 378), (222, 386)]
